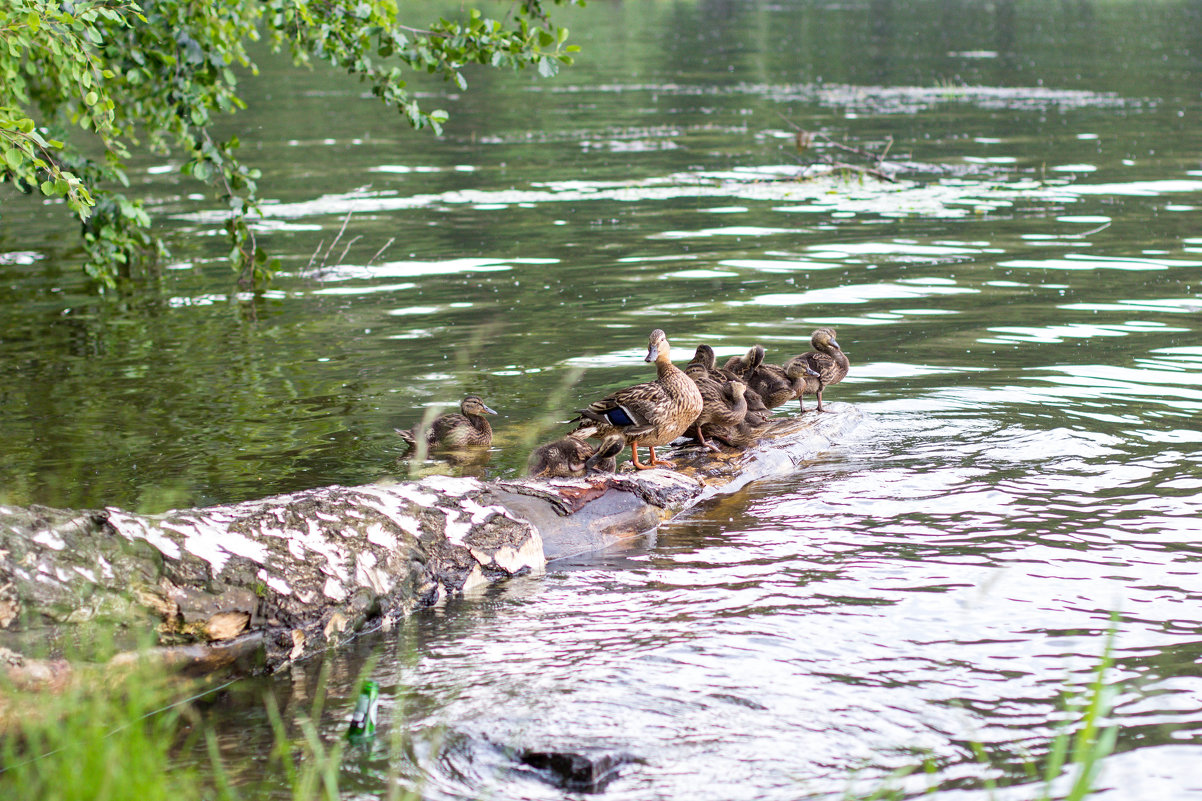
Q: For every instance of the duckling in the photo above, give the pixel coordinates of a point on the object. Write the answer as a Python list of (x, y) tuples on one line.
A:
[(705, 357), (466, 430), (723, 403), (741, 366), (826, 364), (736, 436), (757, 412), (605, 460), (656, 412), (805, 368), (771, 382), (572, 456)]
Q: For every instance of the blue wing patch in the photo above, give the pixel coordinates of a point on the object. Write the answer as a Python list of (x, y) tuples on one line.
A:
[(618, 417)]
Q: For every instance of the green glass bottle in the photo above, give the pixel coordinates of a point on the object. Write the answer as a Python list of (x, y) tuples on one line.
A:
[(363, 720)]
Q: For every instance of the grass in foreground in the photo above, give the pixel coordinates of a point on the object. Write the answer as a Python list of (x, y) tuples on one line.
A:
[(119, 736)]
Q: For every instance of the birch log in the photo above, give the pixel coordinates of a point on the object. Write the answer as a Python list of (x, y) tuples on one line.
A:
[(265, 582)]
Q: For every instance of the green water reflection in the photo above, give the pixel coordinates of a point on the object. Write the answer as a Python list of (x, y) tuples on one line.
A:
[(558, 221)]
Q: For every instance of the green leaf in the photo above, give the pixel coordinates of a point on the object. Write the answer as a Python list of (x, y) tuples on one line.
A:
[(91, 98)]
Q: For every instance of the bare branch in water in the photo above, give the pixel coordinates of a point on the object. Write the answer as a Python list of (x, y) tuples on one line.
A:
[(391, 239), (804, 141), (341, 230)]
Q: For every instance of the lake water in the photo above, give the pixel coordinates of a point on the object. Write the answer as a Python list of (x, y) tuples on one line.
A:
[(1020, 309)]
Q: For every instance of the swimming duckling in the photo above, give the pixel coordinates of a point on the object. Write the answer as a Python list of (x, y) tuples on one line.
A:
[(572, 456), (656, 412), (826, 364), (469, 429)]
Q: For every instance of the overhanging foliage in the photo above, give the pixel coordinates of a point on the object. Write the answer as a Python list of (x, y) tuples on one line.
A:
[(86, 77)]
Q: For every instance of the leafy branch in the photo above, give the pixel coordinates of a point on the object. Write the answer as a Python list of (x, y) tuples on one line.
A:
[(118, 74)]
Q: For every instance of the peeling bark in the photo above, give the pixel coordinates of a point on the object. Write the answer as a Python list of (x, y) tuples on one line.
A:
[(277, 579)]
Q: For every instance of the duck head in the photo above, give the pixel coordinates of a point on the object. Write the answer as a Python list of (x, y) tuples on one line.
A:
[(704, 356), (473, 406), (605, 458), (657, 346), (824, 339)]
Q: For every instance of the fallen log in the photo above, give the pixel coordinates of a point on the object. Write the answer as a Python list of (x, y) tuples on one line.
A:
[(262, 583)]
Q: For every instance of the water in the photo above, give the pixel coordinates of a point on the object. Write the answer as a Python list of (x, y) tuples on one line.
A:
[(1019, 312)]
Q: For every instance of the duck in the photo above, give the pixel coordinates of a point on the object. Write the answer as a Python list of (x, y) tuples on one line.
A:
[(757, 412), (771, 382), (654, 413), (705, 357), (742, 365), (468, 429), (826, 364), (572, 456), (723, 403)]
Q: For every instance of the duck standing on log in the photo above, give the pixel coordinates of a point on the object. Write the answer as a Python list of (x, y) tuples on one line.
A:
[(654, 413), (826, 364), (469, 429)]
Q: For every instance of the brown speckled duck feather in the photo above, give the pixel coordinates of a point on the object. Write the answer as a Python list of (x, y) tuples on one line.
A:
[(827, 359), (468, 429), (572, 456), (654, 413)]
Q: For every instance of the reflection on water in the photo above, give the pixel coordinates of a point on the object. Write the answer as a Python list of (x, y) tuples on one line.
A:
[(1018, 309)]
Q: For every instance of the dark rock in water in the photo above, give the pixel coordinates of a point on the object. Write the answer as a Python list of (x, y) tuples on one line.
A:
[(576, 771)]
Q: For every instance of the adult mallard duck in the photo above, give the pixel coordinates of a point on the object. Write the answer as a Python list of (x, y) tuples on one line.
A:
[(572, 456), (469, 429), (826, 364), (723, 403), (654, 413)]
